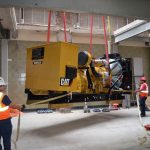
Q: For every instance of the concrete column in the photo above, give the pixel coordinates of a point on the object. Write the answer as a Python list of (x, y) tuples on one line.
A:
[(4, 59)]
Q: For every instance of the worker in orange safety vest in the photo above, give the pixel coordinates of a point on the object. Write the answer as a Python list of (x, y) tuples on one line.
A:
[(143, 94), (6, 107)]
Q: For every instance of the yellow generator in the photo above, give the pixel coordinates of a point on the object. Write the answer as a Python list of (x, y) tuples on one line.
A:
[(57, 68)]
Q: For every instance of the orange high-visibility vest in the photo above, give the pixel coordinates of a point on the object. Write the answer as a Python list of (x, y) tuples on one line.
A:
[(144, 93), (4, 110)]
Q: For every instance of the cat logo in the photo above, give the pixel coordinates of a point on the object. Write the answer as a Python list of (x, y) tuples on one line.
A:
[(64, 82)]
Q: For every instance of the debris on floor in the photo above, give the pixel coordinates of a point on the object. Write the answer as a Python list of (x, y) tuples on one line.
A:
[(64, 110), (44, 110)]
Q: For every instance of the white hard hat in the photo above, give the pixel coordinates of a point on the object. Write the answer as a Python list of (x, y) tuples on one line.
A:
[(2, 82)]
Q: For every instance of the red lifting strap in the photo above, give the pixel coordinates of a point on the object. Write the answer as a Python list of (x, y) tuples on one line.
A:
[(64, 22), (49, 26), (91, 32), (105, 38)]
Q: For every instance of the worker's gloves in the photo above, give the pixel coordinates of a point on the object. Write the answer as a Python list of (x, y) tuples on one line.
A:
[(23, 107)]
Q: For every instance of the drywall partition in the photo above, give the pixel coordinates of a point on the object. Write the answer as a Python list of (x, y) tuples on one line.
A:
[(137, 70)]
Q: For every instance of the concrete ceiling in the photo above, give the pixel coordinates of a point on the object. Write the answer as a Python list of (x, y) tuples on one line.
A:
[(125, 8)]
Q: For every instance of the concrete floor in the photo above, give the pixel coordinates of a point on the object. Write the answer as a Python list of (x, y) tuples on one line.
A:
[(115, 130)]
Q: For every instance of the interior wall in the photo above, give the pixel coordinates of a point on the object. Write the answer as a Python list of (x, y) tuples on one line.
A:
[(17, 69), (143, 52), (98, 50), (17, 63)]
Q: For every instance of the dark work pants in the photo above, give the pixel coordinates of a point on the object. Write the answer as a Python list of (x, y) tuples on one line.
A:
[(5, 133), (142, 105)]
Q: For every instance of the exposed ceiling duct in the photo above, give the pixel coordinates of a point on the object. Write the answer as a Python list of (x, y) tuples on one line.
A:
[(135, 28)]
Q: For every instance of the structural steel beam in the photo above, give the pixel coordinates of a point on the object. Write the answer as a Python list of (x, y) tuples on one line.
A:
[(132, 32), (126, 8)]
